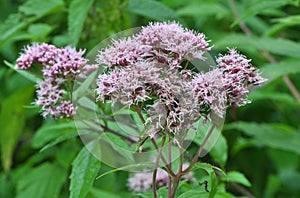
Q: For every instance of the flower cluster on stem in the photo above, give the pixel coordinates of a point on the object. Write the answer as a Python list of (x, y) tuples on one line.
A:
[(60, 67)]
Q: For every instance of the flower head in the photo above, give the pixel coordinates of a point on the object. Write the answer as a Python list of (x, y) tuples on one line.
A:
[(209, 91), (238, 75), (170, 43), (122, 52), (59, 66)]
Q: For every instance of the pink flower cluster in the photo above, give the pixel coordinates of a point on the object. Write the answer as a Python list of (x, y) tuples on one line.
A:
[(142, 181), (238, 75), (149, 70), (59, 67), (167, 43)]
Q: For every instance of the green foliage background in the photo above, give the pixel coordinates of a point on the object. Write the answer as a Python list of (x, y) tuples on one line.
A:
[(44, 158)]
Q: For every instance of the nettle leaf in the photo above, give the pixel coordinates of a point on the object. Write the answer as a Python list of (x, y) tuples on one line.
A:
[(278, 136), (44, 181), (12, 121), (237, 177), (51, 132), (274, 45), (84, 170), (152, 9), (76, 18), (261, 5), (287, 66), (40, 8)]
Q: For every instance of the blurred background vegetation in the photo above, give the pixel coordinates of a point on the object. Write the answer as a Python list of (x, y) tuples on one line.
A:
[(261, 140)]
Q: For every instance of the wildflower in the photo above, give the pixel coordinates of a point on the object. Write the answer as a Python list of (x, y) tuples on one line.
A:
[(40, 53), (170, 43), (59, 67), (140, 181), (238, 76), (122, 52), (209, 91)]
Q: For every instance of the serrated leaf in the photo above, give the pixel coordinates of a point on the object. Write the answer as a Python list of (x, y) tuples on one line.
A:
[(84, 170), (44, 181), (40, 8), (278, 136), (237, 177), (77, 14), (288, 66), (50, 132), (152, 9), (12, 121)]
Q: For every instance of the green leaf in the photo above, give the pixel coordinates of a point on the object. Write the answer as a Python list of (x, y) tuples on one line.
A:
[(84, 170), (77, 14), (284, 98), (220, 150), (96, 193), (261, 5), (24, 73), (274, 45), (39, 30), (287, 66), (282, 24), (237, 177), (12, 121), (203, 194), (278, 136), (206, 10), (59, 140), (40, 8), (44, 181), (50, 132), (11, 25), (152, 9), (128, 167), (210, 169)]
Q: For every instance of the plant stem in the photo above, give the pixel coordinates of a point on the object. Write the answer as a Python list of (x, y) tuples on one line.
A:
[(170, 164), (175, 184), (265, 53), (154, 183), (171, 172), (200, 149), (156, 165)]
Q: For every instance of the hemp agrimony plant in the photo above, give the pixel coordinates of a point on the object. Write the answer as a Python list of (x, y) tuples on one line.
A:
[(153, 74)]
